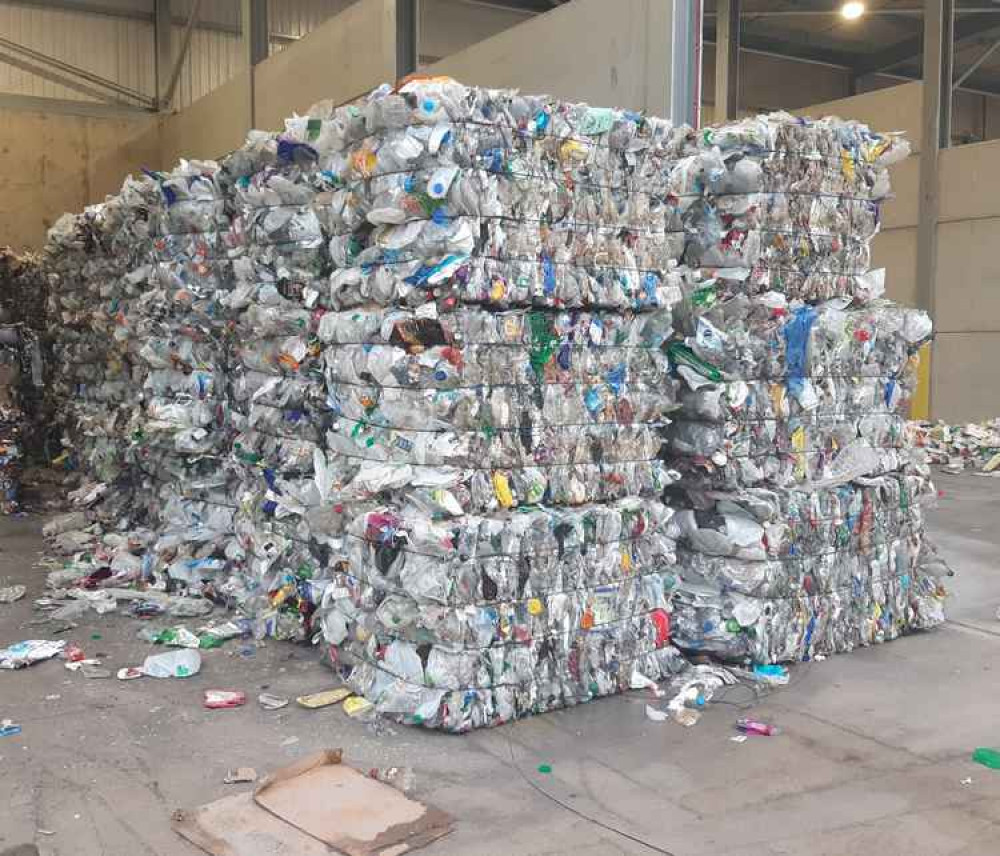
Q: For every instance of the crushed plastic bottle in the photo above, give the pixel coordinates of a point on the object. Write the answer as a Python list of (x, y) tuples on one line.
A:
[(183, 663), (753, 726)]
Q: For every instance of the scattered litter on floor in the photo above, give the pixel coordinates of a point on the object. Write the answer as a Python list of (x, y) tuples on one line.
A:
[(755, 727), (960, 447), (240, 775), (221, 699), (772, 674), (312, 805), (30, 651), (174, 664), (323, 699), (739, 738), (271, 702), (130, 673), (357, 707), (8, 594), (987, 757), (8, 728), (73, 653), (694, 689), (656, 715), (966, 781), (545, 769), (78, 665)]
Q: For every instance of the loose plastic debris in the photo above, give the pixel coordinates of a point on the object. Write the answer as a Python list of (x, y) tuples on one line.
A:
[(240, 775), (30, 651), (987, 757), (960, 447), (218, 699), (754, 726), (8, 594), (183, 663), (271, 702), (324, 698)]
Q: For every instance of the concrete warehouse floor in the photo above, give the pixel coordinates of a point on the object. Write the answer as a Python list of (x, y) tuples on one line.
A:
[(873, 751)]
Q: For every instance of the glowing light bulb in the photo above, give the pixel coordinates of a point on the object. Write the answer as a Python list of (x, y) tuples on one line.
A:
[(853, 10)]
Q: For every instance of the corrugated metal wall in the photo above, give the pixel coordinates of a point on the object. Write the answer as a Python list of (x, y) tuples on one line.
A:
[(295, 18), (115, 48), (213, 58), (121, 49)]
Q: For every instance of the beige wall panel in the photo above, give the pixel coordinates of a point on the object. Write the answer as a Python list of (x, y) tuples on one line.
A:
[(903, 210), (117, 149), (341, 59), (965, 379), (449, 26), (894, 109), (896, 251), (970, 181), (51, 163), (211, 127), (610, 54), (968, 276)]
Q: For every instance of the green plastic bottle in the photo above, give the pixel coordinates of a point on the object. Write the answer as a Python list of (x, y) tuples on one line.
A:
[(987, 757)]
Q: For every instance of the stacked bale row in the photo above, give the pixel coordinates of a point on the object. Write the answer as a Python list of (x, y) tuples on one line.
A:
[(803, 529)]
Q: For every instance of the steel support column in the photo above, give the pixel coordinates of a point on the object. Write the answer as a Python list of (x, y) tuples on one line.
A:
[(727, 60), (685, 62), (162, 35), (407, 36), (256, 45), (939, 18), (256, 29)]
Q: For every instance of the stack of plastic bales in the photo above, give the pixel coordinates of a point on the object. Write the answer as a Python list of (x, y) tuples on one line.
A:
[(277, 387), (503, 283), (179, 431), (803, 529), (431, 373), (23, 291), (22, 314), (12, 419), (88, 262)]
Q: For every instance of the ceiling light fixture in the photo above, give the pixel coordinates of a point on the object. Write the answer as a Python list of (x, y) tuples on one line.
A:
[(853, 10)]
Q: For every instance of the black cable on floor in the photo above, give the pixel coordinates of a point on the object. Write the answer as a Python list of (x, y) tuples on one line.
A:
[(577, 812)]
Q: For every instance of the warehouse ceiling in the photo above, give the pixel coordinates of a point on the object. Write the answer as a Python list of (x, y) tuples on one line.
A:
[(886, 39)]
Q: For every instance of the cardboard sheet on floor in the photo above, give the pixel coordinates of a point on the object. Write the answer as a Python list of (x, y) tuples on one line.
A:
[(301, 809), (237, 826), (351, 812)]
